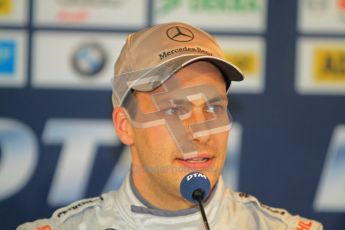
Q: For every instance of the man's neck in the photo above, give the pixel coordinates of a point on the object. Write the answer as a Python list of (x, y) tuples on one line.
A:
[(157, 198)]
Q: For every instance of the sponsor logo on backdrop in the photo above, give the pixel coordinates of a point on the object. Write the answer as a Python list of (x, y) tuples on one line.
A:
[(321, 16), (208, 13), (5, 7), (341, 4), (248, 54), (318, 5), (329, 65), (210, 6), (89, 59), (90, 13), (90, 3), (341, 9), (80, 61), (7, 57), (81, 10), (247, 62), (13, 12), (320, 66)]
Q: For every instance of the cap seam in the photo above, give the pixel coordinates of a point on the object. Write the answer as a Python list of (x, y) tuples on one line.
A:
[(128, 55)]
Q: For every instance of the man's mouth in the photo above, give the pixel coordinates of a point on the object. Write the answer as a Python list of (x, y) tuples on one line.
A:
[(199, 161)]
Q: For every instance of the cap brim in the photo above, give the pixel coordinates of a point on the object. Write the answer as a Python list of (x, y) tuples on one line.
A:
[(150, 79), (159, 74)]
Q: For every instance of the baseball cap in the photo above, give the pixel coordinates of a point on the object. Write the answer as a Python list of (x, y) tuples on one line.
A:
[(152, 55)]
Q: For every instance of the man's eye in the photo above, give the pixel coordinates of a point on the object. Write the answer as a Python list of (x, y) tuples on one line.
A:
[(176, 111), (215, 108)]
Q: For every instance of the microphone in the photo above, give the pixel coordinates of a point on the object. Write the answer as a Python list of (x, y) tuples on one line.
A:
[(195, 187)]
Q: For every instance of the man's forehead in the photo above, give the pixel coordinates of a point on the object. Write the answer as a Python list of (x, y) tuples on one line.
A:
[(188, 79)]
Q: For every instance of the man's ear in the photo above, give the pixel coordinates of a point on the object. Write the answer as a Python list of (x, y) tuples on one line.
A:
[(122, 126)]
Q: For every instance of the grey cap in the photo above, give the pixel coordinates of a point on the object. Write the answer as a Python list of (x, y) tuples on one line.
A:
[(150, 56)]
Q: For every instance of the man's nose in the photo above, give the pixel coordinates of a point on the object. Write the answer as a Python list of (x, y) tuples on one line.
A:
[(200, 118)]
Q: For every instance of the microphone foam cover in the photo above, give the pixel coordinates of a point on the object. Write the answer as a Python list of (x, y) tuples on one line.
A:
[(192, 182)]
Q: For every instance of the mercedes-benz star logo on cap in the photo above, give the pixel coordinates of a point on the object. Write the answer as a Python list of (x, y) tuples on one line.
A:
[(180, 34)]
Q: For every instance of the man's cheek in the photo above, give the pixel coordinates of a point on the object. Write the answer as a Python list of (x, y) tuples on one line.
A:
[(156, 137)]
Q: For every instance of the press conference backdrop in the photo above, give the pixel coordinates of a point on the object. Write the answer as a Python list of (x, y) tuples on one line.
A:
[(57, 143)]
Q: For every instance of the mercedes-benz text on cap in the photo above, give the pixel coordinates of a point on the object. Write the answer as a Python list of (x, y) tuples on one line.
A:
[(151, 56)]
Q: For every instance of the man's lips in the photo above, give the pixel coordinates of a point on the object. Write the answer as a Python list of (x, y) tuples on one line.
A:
[(203, 160)]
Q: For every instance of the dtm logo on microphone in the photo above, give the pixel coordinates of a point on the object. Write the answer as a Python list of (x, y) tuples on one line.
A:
[(196, 175)]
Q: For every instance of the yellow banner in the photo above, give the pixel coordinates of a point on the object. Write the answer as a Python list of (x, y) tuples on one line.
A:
[(247, 62), (5, 7), (329, 65)]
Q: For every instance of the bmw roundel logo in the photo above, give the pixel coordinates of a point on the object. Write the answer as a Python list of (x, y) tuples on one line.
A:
[(89, 59)]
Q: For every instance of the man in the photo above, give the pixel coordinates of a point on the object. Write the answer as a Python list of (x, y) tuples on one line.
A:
[(170, 107)]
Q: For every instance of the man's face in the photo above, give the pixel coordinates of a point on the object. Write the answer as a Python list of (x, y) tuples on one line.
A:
[(160, 157)]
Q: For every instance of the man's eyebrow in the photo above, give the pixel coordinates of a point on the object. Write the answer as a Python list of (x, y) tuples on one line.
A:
[(217, 99), (211, 100)]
